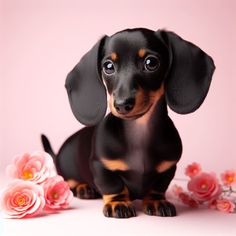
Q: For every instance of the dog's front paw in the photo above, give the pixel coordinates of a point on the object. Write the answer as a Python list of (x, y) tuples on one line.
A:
[(159, 208), (119, 209)]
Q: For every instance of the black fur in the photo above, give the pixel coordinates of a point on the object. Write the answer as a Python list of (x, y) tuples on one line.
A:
[(184, 70)]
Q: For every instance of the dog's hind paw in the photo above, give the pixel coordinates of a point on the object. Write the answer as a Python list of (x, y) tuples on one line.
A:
[(84, 191)]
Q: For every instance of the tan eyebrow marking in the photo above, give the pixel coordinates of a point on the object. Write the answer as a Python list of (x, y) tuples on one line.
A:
[(141, 52), (114, 56)]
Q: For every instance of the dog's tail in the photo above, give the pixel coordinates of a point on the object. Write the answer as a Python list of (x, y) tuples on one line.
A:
[(47, 147)]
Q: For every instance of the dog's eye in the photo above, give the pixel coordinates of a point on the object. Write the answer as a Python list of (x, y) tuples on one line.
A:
[(108, 67), (151, 63)]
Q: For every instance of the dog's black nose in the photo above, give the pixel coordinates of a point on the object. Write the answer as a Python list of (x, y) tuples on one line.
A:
[(124, 106)]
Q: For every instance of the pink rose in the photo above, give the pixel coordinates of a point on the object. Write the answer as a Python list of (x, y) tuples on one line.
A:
[(57, 193), (176, 189), (204, 187), (22, 199), (188, 200), (229, 177), (225, 205), (36, 167), (212, 204), (193, 170)]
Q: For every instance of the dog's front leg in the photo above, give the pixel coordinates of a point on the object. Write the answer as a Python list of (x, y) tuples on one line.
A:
[(115, 194), (154, 202)]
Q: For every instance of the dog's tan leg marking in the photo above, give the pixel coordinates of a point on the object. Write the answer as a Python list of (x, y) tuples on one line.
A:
[(72, 183), (115, 164), (118, 205), (124, 196), (164, 166)]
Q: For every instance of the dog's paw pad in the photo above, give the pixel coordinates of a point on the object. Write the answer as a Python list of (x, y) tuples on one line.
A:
[(121, 209), (159, 208)]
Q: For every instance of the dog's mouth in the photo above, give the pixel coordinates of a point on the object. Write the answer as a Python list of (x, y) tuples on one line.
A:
[(144, 105), (136, 116)]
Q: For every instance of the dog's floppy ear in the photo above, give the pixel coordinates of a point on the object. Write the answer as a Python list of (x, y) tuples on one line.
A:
[(189, 75), (86, 92)]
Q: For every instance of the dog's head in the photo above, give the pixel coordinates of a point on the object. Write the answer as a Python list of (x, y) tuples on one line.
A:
[(137, 67)]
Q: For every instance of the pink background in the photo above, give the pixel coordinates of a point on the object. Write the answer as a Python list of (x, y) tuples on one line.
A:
[(42, 40)]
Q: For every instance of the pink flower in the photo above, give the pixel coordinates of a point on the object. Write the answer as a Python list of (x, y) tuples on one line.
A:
[(225, 205), (229, 177), (176, 189), (36, 167), (57, 193), (22, 199), (193, 170), (188, 200), (212, 204), (204, 187)]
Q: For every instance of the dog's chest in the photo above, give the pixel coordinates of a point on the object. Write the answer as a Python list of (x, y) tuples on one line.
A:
[(138, 140)]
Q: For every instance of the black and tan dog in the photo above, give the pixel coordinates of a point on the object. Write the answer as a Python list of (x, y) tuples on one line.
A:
[(131, 153)]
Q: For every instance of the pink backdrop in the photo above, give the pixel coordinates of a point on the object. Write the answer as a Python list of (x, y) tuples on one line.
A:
[(42, 40)]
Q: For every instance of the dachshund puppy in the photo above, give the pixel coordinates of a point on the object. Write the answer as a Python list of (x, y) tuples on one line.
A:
[(132, 152)]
